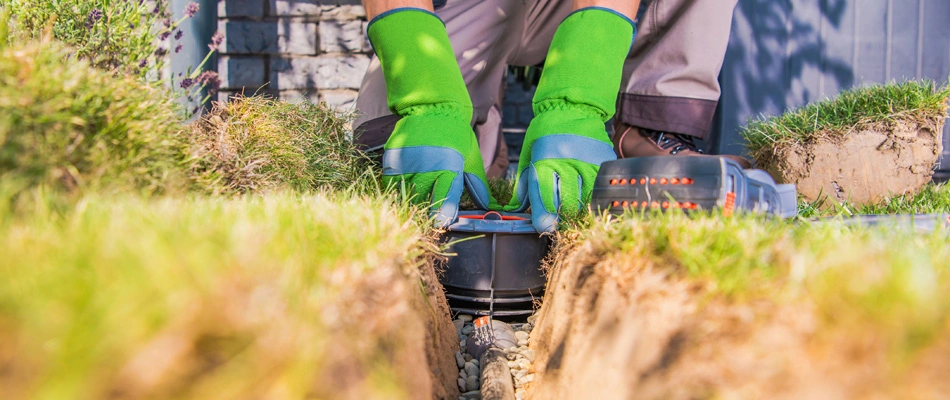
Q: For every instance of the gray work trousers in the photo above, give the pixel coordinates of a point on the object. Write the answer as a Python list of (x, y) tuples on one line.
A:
[(670, 79)]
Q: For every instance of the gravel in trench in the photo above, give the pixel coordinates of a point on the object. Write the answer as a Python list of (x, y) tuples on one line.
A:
[(520, 359)]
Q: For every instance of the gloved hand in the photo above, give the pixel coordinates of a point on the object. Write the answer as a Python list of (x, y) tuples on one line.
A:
[(566, 142), (432, 148)]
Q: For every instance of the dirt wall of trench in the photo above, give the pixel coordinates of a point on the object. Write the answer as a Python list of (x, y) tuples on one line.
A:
[(395, 327), (613, 326)]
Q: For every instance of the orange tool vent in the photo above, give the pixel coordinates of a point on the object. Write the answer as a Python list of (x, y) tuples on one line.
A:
[(730, 205)]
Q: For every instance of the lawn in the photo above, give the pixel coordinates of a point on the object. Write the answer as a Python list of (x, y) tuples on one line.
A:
[(208, 298), (253, 254)]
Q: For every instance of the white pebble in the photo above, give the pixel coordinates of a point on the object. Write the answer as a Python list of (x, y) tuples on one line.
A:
[(521, 335), (459, 360), (463, 343), (465, 317), (461, 383), (522, 343), (512, 364), (532, 318), (458, 324), (468, 329), (462, 374), (467, 357), (529, 354), (528, 378)]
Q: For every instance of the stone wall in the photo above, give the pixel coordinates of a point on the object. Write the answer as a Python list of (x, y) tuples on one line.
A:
[(293, 49), (317, 50)]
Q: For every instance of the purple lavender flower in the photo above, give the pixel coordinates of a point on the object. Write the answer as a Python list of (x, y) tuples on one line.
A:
[(143, 63), (211, 79), (93, 17), (178, 48), (191, 9), (179, 34), (187, 83), (160, 52), (164, 35), (167, 22), (216, 40)]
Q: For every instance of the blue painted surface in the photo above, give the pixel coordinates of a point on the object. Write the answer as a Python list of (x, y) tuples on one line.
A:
[(786, 53), (197, 32)]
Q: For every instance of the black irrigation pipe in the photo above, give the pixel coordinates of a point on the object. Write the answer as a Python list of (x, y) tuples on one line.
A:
[(496, 376)]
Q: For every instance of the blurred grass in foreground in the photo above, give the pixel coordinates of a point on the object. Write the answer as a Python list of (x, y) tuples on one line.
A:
[(205, 298)]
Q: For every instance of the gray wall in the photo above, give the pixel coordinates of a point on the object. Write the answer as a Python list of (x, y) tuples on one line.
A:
[(786, 53), (295, 50)]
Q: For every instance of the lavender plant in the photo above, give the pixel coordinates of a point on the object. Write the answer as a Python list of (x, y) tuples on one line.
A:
[(123, 36)]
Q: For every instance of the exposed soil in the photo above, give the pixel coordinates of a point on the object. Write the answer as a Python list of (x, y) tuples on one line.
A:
[(419, 340), (616, 327), (390, 337), (860, 167), (441, 337)]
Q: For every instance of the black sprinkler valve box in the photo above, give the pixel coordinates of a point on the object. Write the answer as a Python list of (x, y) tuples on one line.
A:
[(495, 264)]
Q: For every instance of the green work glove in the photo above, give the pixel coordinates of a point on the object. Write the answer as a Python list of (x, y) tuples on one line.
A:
[(566, 142), (433, 148)]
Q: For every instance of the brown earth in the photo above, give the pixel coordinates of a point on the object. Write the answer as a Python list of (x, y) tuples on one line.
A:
[(407, 327), (390, 337), (396, 325), (864, 166), (613, 326), (441, 338)]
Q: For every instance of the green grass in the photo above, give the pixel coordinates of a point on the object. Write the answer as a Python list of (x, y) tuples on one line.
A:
[(254, 144), (237, 285), (895, 282), (203, 298), (918, 101), (121, 39), (68, 126), (932, 199), (501, 190)]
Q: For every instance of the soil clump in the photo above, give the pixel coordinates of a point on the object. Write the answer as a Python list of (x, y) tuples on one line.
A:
[(864, 166)]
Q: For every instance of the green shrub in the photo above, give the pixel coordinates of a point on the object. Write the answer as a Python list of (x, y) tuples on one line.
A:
[(255, 144), (66, 125), (111, 34)]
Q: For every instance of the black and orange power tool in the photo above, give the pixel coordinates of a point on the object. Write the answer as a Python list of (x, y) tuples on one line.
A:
[(689, 183)]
